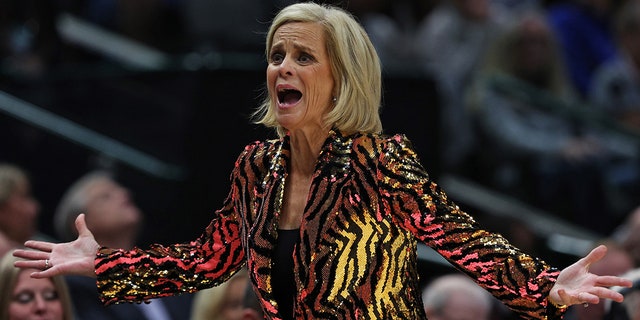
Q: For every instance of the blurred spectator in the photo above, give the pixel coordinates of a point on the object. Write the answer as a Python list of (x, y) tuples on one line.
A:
[(28, 41), (19, 210), (456, 297), (629, 309), (517, 7), (583, 28), (616, 84), (251, 308), (618, 261), (616, 92), (224, 302), (450, 42), (391, 26), (115, 221), (24, 297), (627, 234), (524, 109)]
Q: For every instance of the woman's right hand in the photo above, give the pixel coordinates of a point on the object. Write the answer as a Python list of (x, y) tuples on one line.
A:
[(76, 257)]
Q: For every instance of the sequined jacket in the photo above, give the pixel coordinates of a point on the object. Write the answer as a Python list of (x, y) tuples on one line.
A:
[(369, 204)]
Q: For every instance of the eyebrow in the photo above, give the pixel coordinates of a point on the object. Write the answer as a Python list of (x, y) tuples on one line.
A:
[(297, 46)]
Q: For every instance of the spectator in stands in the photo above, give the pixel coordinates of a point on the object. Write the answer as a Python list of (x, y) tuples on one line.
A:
[(532, 136), (24, 297), (251, 308), (616, 84), (627, 234), (19, 210), (29, 43), (616, 93), (456, 296), (391, 26), (629, 309), (223, 302), (449, 44), (115, 221), (583, 28)]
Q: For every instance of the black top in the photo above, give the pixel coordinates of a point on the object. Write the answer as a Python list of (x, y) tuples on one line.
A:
[(283, 283)]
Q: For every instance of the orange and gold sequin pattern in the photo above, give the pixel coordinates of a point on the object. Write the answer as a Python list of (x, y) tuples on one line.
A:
[(370, 202)]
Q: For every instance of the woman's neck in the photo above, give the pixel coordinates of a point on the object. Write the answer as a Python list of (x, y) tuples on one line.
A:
[(305, 148)]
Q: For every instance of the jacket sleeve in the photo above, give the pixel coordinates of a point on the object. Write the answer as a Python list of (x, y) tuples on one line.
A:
[(419, 205), (140, 274)]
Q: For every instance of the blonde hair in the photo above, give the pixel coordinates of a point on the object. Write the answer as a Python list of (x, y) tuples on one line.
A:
[(9, 278), (208, 303), (73, 202), (355, 67), (500, 57), (438, 293), (11, 177)]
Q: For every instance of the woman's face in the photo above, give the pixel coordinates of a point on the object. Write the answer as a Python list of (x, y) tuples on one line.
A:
[(110, 208), (232, 302), (299, 76), (34, 299), (19, 213)]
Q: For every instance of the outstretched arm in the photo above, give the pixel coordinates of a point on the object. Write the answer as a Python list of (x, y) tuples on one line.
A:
[(76, 257), (575, 285)]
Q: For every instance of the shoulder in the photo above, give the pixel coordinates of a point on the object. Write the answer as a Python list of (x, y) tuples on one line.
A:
[(382, 142), (258, 149)]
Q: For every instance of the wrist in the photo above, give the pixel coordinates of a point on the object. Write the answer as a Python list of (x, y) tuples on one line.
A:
[(558, 306)]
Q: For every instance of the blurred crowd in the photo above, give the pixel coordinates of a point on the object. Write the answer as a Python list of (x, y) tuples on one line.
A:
[(538, 99)]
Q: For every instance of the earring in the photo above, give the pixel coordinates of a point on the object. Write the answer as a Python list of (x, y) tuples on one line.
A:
[(335, 99)]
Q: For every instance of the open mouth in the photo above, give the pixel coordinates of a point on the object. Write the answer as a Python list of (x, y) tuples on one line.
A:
[(289, 96)]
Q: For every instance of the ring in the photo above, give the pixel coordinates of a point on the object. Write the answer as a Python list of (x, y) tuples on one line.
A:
[(585, 304), (46, 264)]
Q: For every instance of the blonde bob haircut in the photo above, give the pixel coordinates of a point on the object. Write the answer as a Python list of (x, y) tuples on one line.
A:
[(355, 67), (11, 177), (9, 278)]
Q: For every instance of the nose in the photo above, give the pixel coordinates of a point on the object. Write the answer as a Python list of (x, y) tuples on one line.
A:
[(40, 304), (286, 67)]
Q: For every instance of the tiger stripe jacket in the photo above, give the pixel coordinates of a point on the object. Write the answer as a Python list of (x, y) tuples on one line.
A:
[(370, 202)]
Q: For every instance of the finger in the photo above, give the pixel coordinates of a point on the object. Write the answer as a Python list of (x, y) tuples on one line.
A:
[(564, 297), (586, 297), (596, 254), (30, 254), (29, 264), (44, 273), (39, 245), (605, 293), (610, 281), (40, 265), (81, 225)]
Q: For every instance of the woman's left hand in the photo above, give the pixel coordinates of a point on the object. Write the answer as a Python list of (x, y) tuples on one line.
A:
[(575, 285)]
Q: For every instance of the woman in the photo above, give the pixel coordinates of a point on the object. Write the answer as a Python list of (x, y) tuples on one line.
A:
[(223, 302), (327, 217), (19, 210), (23, 297)]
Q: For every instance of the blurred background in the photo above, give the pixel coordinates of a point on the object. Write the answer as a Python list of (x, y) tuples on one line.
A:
[(160, 92)]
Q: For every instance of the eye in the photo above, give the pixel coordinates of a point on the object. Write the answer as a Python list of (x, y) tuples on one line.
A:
[(50, 295), (24, 297), (305, 58), (276, 58)]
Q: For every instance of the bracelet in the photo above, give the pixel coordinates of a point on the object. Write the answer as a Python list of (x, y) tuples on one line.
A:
[(557, 306)]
